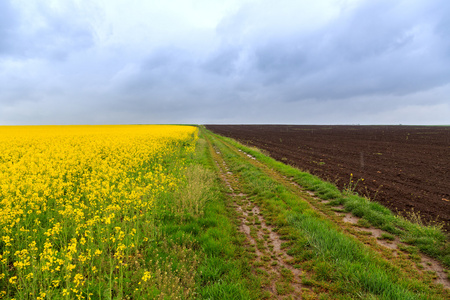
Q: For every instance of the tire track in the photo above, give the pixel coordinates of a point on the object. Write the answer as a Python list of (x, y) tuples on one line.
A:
[(269, 251)]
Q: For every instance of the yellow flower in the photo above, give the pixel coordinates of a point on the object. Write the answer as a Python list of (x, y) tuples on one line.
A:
[(78, 280), (70, 267), (13, 280), (146, 276)]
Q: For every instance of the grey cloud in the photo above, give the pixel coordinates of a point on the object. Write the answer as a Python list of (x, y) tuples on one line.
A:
[(223, 62), (165, 69), (374, 28), (59, 32), (60, 36), (372, 50), (378, 48), (8, 25), (372, 61)]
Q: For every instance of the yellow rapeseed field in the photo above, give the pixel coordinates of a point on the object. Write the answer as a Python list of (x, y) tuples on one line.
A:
[(76, 205)]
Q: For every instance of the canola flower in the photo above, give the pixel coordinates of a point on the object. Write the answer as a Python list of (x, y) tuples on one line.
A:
[(76, 204)]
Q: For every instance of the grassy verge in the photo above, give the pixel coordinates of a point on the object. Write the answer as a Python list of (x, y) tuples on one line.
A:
[(196, 252), (338, 266), (430, 239)]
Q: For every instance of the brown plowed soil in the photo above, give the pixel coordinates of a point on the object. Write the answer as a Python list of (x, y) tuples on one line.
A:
[(403, 167)]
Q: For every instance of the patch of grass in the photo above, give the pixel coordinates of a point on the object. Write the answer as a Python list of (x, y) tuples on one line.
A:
[(363, 223), (287, 274), (335, 209), (362, 232), (339, 259), (387, 236), (283, 288)]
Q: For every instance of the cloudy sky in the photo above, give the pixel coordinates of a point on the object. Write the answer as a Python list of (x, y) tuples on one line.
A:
[(224, 61)]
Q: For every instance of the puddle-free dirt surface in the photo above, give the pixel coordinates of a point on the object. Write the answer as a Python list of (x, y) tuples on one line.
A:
[(403, 167)]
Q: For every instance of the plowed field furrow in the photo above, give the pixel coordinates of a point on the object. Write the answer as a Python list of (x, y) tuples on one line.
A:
[(405, 168)]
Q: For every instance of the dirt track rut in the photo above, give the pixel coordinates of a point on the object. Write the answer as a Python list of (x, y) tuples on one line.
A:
[(283, 281)]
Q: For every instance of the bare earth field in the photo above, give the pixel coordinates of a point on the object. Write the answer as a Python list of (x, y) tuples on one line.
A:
[(403, 167)]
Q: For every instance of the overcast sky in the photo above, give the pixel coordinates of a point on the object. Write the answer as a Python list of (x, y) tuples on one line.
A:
[(224, 61)]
